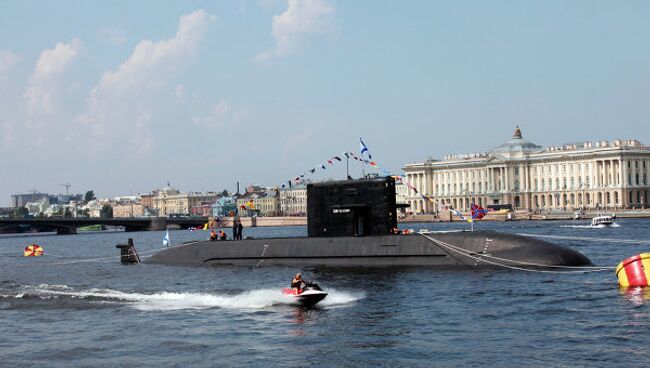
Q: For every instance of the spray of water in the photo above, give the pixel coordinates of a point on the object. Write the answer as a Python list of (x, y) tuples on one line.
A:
[(164, 300)]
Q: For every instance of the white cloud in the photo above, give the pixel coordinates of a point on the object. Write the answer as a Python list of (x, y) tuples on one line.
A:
[(301, 17), (126, 98), (7, 62), (222, 116), (43, 83), (114, 35)]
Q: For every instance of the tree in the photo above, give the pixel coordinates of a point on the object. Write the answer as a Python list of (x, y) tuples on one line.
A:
[(106, 211), (21, 212), (90, 196), (67, 212), (224, 193)]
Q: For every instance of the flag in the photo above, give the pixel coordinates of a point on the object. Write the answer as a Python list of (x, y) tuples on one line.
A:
[(364, 148), (166, 238), (337, 158), (457, 213), (312, 170), (478, 212)]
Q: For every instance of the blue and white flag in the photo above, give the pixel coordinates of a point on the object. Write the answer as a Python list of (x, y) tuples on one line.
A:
[(166, 238), (364, 148)]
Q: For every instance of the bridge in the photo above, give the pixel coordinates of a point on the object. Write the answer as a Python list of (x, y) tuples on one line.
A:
[(66, 225)]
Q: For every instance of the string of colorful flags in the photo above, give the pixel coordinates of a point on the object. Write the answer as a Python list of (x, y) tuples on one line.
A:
[(477, 212), (327, 163)]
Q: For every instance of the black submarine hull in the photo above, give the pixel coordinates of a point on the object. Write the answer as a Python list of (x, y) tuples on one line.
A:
[(478, 249)]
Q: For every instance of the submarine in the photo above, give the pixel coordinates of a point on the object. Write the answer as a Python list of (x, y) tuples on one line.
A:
[(353, 223)]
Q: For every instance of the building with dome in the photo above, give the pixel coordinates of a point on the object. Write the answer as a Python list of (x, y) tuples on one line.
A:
[(586, 175)]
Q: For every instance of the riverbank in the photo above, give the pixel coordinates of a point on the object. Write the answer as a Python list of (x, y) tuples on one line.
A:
[(448, 216)]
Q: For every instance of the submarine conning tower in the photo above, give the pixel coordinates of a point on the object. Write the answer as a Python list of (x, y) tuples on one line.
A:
[(351, 207)]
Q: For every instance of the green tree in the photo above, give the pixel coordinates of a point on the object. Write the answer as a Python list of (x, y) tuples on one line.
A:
[(224, 193), (21, 212), (90, 196), (67, 212), (106, 211)]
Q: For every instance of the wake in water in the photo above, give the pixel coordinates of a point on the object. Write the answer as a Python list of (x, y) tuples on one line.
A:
[(254, 299), (590, 226)]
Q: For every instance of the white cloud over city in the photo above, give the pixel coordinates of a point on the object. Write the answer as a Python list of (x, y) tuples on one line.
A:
[(301, 18), (126, 99), (45, 81)]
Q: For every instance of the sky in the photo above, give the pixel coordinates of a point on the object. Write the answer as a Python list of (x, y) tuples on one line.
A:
[(122, 97)]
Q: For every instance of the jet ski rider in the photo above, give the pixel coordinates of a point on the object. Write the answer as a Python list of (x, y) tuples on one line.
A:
[(296, 284)]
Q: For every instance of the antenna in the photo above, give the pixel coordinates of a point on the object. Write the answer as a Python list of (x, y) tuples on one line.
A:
[(67, 187)]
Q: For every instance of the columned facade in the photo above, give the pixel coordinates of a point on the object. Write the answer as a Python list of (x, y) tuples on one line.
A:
[(591, 175)]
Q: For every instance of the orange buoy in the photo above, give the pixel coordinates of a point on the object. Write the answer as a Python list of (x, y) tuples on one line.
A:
[(634, 271), (33, 250)]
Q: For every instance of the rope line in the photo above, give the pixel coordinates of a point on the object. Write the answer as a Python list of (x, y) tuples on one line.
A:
[(468, 253)]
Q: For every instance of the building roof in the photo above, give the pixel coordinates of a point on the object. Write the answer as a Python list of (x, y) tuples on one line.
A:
[(517, 144)]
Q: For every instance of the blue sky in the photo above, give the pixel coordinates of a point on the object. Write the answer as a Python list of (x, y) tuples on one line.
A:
[(121, 97)]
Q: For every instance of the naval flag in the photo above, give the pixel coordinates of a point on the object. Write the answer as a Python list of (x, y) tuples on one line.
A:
[(364, 148), (166, 238)]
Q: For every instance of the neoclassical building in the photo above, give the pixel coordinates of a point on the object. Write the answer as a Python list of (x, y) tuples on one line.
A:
[(169, 201), (587, 175)]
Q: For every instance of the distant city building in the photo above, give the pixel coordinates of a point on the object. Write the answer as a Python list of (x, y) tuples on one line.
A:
[(128, 209), (93, 208), (293, 201), (20, 200), (591, 175), (401, 192), (265, 203), (224, 206), (254, 188), (203, 209), (170, 201), (147, 200)]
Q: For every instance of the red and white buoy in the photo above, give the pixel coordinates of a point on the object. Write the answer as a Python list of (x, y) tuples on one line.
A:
[(634, 271)]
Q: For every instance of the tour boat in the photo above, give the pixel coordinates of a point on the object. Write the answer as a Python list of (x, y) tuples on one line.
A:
[(602, 221)]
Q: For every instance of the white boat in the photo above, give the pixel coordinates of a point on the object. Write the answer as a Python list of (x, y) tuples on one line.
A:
[(602, 221)]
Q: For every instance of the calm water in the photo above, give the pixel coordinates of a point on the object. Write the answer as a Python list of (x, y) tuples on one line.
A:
[(78, 306)]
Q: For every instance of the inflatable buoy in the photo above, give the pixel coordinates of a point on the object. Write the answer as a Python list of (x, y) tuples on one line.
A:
[(33, 250), (634, 271)]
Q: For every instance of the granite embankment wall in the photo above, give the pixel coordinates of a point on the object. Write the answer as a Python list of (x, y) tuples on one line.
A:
[(445, 216)]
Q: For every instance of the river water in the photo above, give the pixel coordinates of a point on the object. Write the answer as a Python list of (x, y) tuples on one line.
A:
[(78, 306)]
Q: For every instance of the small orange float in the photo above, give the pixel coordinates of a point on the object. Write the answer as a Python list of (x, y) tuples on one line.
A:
[(33, 250)]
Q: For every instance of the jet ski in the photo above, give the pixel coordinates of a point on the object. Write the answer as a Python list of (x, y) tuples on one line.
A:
[(307, 296)]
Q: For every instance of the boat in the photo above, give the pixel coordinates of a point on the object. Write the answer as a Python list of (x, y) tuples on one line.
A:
[(602, 221), (307, 296), (352, 223)]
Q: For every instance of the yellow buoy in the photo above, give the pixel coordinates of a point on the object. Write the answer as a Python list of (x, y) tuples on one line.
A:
[(33, 250), (634, 271)]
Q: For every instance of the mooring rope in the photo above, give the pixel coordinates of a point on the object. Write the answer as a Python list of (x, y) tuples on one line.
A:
[(259, 263), (486, 258), (107, 258)]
